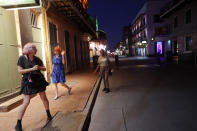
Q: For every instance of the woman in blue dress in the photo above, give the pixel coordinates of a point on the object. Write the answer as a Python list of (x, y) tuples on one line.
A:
[(58, 74)]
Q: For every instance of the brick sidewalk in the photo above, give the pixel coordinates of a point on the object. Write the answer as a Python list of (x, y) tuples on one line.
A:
[(35, 117)]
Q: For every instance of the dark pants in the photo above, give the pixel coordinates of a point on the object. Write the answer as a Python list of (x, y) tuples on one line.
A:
[(105, 76)]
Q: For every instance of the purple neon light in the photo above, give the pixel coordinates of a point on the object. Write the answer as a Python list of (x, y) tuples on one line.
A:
[(159, 47)]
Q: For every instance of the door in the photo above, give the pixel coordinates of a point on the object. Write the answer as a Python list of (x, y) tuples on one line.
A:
[(67, 42), (82, 57), (76, 52), (9, 53), (53, 37), (175, 48)]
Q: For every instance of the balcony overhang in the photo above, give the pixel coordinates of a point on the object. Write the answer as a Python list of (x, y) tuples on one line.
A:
[(168, 11), (73, 10)]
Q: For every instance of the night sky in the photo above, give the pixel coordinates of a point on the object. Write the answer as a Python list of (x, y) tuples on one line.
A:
[(113, 15)]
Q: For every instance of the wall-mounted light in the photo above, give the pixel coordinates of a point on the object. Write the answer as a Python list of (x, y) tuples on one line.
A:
[(144, 42), (92, 45), (169, 42)]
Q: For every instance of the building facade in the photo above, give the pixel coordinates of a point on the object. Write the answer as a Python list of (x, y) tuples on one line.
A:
[(72, 31), (149, 32), (56, 23), (127, 39), (182, 19), (9, 53)]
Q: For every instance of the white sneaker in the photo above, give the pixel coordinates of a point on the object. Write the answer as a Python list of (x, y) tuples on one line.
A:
[(69, 91), (55, 98)]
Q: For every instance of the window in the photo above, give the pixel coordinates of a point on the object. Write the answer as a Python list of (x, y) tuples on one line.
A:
[(188, 40), (176, 22), (53, 37), (34, 20), (188, 17)]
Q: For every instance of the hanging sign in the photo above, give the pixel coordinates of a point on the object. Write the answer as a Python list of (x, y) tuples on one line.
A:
[(9, 4)]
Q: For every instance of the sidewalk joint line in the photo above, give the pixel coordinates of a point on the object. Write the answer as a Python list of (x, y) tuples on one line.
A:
[(124, 119)]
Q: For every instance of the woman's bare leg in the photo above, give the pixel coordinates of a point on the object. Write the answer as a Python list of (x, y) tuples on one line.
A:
[(56, 91), (45, 102), (26, 101), (44, 99), (66, 86)]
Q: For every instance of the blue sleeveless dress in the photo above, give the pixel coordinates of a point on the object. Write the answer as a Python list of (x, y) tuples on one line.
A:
[(58, 75)]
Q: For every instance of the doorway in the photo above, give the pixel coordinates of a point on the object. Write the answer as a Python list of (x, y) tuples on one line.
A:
[(175, 48), (67, 43), (53, 37), (76, 52), (82, 59)]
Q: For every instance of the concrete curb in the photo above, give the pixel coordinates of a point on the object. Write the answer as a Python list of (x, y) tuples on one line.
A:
[(89, 107)]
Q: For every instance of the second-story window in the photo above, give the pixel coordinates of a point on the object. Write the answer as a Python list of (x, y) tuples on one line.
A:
[(176, 22), (34, 20), (188, 17)]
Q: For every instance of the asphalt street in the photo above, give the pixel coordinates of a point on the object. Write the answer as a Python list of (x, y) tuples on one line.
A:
[(147, 97)]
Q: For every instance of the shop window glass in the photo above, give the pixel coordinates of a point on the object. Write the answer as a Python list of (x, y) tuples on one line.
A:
[(188, 43)]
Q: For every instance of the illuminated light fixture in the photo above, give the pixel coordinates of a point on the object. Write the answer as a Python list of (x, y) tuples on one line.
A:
[(169, 42), (139, 43), (144, 42), (102, 47), (153, 38), (92, 45)]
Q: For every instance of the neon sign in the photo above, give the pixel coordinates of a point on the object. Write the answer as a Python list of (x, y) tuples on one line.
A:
[(159, 48)]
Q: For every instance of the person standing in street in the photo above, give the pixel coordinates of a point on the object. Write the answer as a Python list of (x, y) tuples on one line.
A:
[(104, 66), (58, 74), (33, 81), (117, 60)]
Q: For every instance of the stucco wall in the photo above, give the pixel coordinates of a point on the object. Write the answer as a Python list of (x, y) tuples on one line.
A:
[(62, 25), (184, 29)]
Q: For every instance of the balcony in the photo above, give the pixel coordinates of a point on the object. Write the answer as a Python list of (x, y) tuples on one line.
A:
[(75, 11), (171, 6)]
